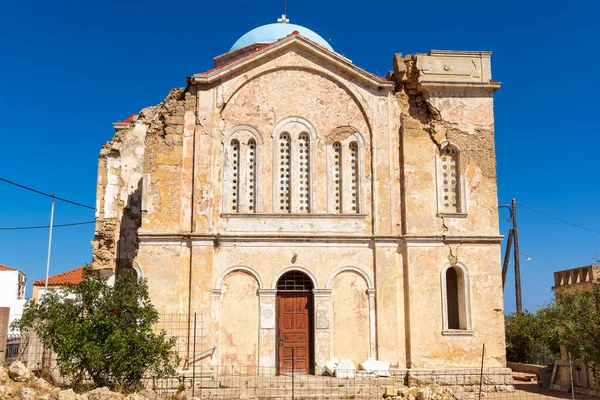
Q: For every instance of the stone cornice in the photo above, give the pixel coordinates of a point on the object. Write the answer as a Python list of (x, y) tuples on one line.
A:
[(293, 40), (224, 239)]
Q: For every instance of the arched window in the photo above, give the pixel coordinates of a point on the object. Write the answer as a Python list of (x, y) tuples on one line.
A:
[(284, 173), (344, 175), (354, 176), (337, 177), (234, 162), (241, 171), (455, 298), (251, 175), (304, 173), (293, 166), (449, 181)]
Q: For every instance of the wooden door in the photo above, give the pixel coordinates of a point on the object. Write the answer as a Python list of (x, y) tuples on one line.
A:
[(294, 323)]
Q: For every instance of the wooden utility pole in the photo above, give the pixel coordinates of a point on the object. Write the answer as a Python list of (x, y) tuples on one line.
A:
[(506, 257), (513, 211)]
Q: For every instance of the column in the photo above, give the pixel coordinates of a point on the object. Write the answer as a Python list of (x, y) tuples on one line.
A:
[(322, 333), (267, 335)]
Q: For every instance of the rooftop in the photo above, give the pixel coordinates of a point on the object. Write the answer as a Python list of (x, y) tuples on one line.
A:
[(272, 32), (71, 277)]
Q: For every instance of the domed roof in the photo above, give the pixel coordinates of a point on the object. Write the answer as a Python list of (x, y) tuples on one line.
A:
[(272, 32)]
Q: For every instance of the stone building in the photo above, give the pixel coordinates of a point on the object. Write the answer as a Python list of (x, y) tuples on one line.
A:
[(309, 207)]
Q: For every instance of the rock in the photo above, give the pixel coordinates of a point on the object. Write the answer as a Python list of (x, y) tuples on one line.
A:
[(389, 391), (18, 372), (425, 393), (148, 394), (3, 375), (403, 392), (103, 393), (135, 396), (67, 395), (44, 397), (331, 365), (459, 394), (27, 393), (410, 397), (43, 384), (5, 392)]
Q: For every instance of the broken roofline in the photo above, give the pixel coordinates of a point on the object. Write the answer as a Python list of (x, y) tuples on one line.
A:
[(345, 64)]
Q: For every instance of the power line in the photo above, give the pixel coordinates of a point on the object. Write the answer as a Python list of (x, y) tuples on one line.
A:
[(560, 220), (47, 194), (45, 226)]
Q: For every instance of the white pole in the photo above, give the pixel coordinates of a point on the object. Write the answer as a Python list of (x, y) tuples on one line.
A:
[(49, 245)]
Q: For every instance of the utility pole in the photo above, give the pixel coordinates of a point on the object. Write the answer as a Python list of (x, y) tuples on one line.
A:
[(513, 211), (506, 257), (49, 246)]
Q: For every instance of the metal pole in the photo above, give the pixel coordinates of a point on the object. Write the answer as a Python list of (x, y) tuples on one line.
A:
[(194, 360), (517, 257), (571, 372), (49, 245), (506, 256), (481, 375)]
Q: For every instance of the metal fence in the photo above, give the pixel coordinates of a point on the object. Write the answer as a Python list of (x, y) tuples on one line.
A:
[(200, 375)]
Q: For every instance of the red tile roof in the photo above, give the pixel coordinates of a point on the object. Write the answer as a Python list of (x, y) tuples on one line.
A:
[(71, 277), (127, 120), (7, 268)]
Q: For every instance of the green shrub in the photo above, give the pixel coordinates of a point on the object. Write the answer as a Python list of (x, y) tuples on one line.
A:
[(102, 331)]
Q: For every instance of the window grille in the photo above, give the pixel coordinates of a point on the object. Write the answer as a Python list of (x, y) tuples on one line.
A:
[(337, 177), (354, 180), (251, 175), (304, 173), (449, 176), (284, 173), (294, 280), (235, 174)]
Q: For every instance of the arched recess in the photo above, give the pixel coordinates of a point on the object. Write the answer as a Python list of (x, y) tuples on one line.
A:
[(288, 166), (458, 302), (357, 270), (238, 338), (249, 270), (358, 98), (450, 181), (312, 277), (242, 169), (351, 322)]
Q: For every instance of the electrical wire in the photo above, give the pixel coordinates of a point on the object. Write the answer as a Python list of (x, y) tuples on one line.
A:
[(47, 194), (17, 228), (559, 220)]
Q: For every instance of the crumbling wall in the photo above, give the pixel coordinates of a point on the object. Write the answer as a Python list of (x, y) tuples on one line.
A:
[(447, 100), (125, 169)]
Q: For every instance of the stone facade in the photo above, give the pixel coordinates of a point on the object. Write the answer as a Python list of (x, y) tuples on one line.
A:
[(289, 158)]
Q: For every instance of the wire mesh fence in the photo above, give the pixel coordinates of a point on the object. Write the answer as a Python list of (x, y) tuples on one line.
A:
[(199, 374)]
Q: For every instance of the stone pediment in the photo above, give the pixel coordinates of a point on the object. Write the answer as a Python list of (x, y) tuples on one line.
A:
[(322, 58)]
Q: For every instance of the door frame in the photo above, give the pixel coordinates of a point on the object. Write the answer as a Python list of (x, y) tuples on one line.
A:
[(311, 330)]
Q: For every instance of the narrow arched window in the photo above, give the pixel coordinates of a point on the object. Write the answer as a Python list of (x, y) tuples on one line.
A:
[(337, 177), (234, 153), (303, 173), (452, 296), (251, 175), (284, 173), (354, 176), (449, 181), (456, 302)]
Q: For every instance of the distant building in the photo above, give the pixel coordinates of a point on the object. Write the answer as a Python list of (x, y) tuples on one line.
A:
[(12, 291), (57, 282), (574, 279)]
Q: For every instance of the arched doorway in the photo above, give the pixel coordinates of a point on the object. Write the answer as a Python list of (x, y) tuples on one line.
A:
[(295, 322)]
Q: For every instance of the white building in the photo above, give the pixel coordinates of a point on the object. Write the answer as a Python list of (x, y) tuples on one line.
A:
[(12, 292)]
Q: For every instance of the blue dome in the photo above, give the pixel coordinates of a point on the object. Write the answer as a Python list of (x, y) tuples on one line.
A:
[(272, 32)]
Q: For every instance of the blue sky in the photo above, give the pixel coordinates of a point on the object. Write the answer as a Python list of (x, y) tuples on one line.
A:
[(70, 69)]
